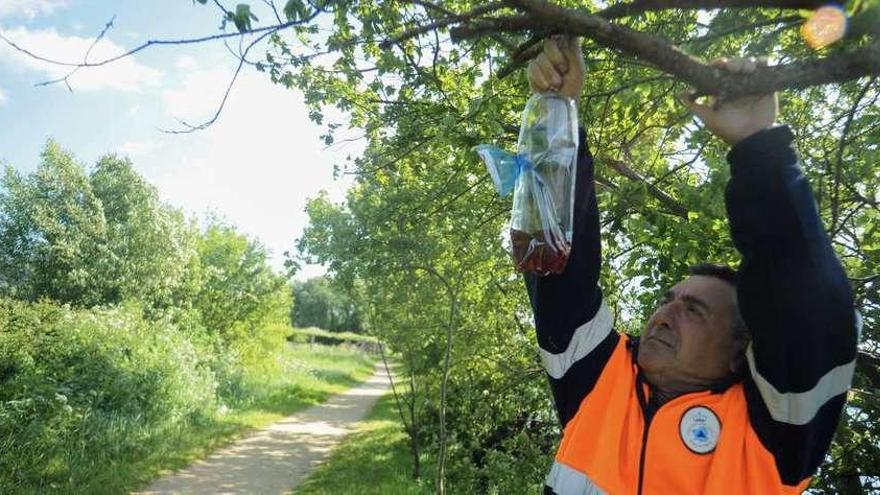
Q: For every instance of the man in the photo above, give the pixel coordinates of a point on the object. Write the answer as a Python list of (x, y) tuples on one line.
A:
[(739, 378)]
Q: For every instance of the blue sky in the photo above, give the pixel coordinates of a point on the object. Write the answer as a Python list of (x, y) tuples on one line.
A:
[(255, 167)]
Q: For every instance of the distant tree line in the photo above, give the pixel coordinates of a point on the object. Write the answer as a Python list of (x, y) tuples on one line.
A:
[(320, 303), (103, 237)]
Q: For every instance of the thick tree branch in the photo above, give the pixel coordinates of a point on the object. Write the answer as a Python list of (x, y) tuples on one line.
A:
[(659, 52), (530, 49), (641, 6)]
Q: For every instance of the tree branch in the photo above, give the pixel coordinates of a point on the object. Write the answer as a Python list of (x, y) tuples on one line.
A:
[(149, 43), (659, 52), (789, 19), (523, 53), (672, 204), (838, 169), (66, 78), (451, 18), (641, 6), (530, 49), (189, 128)]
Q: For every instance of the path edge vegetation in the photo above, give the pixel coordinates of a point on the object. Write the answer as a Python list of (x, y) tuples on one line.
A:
[(374, 459)]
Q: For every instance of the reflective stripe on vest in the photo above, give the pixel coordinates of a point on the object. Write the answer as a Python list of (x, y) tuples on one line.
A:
[(564, 480)]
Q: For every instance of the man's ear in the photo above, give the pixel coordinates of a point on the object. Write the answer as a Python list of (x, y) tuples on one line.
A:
[(738, 362)]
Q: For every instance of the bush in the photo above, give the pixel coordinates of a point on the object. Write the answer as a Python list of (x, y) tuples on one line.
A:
[(80, 388)]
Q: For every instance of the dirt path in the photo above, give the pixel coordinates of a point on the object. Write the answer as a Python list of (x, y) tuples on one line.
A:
[(279, 457)]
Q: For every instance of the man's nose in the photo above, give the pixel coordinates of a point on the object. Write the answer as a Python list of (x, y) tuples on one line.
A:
[(668, 313)]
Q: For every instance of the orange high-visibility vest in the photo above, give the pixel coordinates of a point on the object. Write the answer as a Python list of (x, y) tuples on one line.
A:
[(700, 443)]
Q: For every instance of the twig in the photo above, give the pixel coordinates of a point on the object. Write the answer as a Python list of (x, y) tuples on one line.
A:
[(147, 44), (672, 204), (786, 20), (189, 128), (451, 18), (271, 5), (838, 169), (66, 79)]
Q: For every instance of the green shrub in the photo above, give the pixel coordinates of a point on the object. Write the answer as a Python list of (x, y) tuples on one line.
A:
[(78, 389)]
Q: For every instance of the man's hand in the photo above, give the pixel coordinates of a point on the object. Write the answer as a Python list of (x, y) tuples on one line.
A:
[(560, 67), (735, 120)]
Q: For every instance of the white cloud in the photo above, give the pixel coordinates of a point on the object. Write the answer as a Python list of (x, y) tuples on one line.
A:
[(3, 97), (256, 165), (137, 148), (29, 8), (200, 94), (186, 62), (125, 74)]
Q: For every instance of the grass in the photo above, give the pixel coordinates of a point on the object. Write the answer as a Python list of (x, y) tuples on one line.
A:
[(374, 460), (311, 375)]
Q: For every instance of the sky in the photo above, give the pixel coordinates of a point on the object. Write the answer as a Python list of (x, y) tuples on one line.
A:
[(255, 167)]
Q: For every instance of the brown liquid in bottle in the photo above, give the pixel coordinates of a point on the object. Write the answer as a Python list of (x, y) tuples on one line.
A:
[(533, 253)]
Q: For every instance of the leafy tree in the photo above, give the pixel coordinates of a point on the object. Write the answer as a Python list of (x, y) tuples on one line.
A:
[(52, 232), (320, 304), (239, 291), (149, 244), (89, 239), (427, 282), (422, 210)]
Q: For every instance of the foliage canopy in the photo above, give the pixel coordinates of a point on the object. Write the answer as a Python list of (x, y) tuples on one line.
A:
[(418, 236)]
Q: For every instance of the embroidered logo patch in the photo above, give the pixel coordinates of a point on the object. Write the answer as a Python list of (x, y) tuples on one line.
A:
[(699, 429)]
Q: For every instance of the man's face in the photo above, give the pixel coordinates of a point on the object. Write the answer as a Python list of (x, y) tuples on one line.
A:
[(688, 342)]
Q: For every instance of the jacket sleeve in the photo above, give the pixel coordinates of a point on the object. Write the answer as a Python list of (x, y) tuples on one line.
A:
[(796, 301), (574, 326)]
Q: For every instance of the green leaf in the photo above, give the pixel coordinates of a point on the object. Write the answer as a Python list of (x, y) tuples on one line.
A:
[(243, 17), (295, 10)]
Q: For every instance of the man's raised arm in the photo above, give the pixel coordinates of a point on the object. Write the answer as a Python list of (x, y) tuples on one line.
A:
[(795, 298), (574, 326), (793, 294)]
